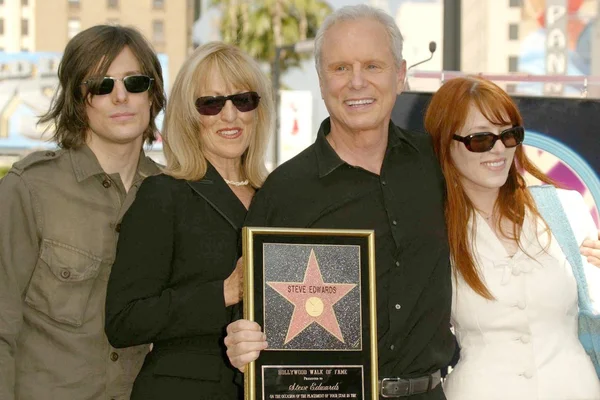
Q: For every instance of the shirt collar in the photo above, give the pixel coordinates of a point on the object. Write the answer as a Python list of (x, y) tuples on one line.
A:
[(146, 167), (85, 164), (327, 158)]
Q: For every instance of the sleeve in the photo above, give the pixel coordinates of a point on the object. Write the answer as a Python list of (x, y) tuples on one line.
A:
[(140, 306), (19, 249), (584, 227)]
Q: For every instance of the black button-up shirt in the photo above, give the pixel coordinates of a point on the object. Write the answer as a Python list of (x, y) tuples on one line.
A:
[(404, 205)]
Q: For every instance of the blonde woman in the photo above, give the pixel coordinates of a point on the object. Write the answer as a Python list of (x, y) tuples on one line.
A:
[(177, 278)]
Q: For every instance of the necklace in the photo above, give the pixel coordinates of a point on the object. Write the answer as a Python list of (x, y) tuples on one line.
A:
[(486, 216), (236, 183)]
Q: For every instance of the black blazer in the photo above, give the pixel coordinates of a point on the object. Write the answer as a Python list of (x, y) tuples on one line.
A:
[(178, 242)]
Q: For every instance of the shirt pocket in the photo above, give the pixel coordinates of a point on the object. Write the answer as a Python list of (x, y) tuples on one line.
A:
[(62, 282)]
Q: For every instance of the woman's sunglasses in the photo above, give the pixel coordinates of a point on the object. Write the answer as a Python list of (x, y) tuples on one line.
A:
[(212, 105), (484, 141), (133, 84)]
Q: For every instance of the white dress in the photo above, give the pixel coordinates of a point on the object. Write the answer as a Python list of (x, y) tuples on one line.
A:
[(524, 345)]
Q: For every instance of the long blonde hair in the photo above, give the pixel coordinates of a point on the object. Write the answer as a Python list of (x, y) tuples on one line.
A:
[(182, 129)]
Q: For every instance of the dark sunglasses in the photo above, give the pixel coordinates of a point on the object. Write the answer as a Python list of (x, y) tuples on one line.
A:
[(212, 105), (133, 84), (481, 142)]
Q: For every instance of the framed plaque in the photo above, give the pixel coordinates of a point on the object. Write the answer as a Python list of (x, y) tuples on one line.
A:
[(313, 293)]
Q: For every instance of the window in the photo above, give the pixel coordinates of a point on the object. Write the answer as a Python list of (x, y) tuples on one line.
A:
[(112, 3), (158, 4), (513, 32), (158, 31), (513, 64), (1, 26), (73, 27), (24, 27), (514, 3)]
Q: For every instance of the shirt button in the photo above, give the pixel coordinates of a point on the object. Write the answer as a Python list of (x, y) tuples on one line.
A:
[(525, 339), (397, 263), (528, 374), (394, 222), (106, 183), (521, 305), (114, 356), (398, 306), (392, 347), (383, 183), (516, 272), (65, 273)]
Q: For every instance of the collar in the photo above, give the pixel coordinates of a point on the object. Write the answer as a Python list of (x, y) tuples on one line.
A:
[(327, 158), (85, 164), (146, 166), (214, 190)]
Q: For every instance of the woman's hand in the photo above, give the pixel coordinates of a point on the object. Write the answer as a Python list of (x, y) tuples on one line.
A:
[(233, 286)]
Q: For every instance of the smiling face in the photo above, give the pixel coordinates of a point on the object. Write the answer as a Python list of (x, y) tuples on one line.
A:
[(119, 117), (486, 171), (359, 78), (226, 135)]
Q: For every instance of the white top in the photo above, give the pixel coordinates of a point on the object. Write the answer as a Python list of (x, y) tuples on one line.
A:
[(524, 345)]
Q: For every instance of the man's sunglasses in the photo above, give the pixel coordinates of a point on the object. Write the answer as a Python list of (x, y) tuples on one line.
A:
[(133, 84), (484, 141), (212, 105)]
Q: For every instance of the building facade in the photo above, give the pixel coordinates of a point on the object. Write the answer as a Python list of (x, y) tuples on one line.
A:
[(47, 25)]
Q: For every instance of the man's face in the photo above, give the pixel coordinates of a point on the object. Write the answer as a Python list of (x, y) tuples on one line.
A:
[(359, 78), (120, 116)]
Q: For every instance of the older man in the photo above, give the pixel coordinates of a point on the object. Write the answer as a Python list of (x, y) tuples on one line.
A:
[(363, 172), (59, 222)]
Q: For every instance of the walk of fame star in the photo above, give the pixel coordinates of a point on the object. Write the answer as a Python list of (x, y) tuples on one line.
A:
[(313, 300)]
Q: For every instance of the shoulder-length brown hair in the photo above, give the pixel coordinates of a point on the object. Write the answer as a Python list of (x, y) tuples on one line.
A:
[(446, 115), (182, 129), (91, 52)]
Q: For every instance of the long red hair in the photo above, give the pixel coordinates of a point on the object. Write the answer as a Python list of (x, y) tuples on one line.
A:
[(446, 115)]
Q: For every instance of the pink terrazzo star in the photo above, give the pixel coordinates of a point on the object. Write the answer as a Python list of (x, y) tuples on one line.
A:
[(313, 300)]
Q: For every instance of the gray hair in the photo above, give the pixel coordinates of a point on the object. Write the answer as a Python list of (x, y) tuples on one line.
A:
[(353, 13)]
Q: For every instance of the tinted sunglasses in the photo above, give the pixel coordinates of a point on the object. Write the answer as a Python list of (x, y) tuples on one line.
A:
[(133, 84), (484, 141), (212, 105)]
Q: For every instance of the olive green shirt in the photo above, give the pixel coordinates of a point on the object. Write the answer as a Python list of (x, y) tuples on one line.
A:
[(59, 222)]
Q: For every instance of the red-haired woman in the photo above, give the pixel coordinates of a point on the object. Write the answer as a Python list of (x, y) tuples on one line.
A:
[(514, 305)]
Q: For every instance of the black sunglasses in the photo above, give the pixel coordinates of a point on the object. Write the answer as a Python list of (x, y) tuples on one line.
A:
[(481, 142), (212, 105), (133, 84)]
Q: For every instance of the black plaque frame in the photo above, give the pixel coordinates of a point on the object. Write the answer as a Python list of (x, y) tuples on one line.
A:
[(353, 370)]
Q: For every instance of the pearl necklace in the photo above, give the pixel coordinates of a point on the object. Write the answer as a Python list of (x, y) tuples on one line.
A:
[(236, 183)]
